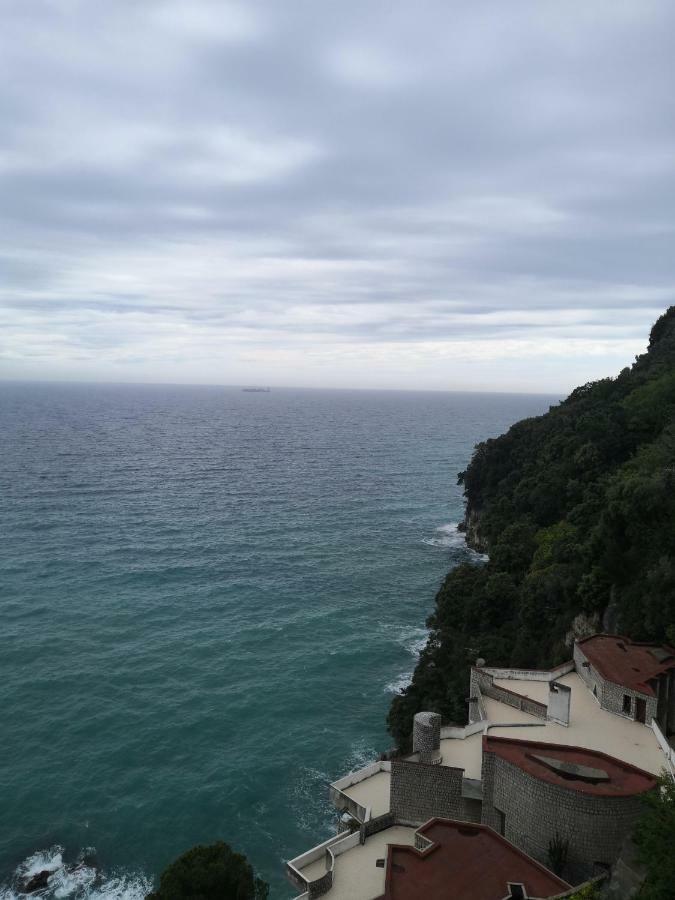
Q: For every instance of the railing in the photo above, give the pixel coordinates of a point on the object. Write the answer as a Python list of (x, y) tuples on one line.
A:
[(329, 850), (573, 891), (530, 674), (668, 751), (422, 842)]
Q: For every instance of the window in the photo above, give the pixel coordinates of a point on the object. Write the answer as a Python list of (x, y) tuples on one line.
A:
[(626, 705), (502, 821)]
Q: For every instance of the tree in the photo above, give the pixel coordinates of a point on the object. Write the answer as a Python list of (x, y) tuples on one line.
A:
[(215, 872), (655, 839)]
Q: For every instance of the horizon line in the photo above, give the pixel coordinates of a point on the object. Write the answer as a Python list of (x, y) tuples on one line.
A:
[(279, 387)]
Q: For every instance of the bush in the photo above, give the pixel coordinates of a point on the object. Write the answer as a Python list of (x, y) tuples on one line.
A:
[(215, 872), (655, 839)]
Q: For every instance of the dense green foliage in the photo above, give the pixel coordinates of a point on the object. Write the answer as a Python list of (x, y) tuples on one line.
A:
[(215, 872), (655, 838), (577, 511)]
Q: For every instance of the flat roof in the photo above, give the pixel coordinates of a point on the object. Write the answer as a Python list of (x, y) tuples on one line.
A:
[(356, 875), (466, 860), (628, 663), (585, 771)]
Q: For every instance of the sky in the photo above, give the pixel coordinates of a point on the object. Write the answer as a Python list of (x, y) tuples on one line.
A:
[(427, 195)]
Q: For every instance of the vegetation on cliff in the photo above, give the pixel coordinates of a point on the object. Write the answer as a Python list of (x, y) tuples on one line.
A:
[(576, 509), (654, 839)]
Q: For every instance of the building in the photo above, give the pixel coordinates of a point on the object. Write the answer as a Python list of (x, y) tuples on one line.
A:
[(547, 759), (442, 858), (630, 679), (539, 795), (453, 859)]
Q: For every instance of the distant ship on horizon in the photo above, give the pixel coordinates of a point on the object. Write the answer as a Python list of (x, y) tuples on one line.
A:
[(257, 390)]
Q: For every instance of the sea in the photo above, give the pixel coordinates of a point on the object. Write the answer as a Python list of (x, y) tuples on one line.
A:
[(208, 598)]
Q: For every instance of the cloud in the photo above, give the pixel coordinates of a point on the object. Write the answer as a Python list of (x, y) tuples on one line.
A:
[(424, 196)]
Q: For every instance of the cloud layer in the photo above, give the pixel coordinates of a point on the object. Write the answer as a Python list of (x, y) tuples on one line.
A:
[(432, 195)]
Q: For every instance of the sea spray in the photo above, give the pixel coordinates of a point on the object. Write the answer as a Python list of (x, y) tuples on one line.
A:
[(77, 880)]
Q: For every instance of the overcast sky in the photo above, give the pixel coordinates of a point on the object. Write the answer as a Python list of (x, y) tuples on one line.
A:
[(426, 194)]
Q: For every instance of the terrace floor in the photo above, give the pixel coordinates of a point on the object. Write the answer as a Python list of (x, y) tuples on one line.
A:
[(464, 754), (590, 727), (356, 874), (372, 792)]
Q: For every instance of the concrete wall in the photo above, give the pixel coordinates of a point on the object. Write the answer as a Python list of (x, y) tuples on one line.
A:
[(535, 811), (610, 696), (477, 712), (344, 803), (530, 674), (559, 697)]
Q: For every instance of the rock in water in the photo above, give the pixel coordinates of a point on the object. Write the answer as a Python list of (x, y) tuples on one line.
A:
[(37, 882)]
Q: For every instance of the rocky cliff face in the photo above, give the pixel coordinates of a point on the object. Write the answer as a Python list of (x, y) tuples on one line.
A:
[(471, 528)]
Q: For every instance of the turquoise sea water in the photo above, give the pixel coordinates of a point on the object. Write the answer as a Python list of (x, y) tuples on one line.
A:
[(207, 598)]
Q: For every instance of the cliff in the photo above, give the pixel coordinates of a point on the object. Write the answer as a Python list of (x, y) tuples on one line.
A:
[(576, 509)]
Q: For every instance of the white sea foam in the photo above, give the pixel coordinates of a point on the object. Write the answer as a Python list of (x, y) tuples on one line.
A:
[(43, 860), (414, 639), (399, 684), (449, 537), (77, 880), (445, 536), (361, 755)]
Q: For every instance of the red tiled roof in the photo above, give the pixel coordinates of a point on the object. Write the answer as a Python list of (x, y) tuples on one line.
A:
[(466, 860), (585, 771), (624, 662)]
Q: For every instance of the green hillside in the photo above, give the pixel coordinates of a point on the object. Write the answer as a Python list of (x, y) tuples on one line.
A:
[(576, 509)]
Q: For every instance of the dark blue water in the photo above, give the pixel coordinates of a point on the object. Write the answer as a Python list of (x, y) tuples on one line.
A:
[(207, 597)]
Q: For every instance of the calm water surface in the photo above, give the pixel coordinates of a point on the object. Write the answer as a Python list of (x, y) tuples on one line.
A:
[(207, 598)]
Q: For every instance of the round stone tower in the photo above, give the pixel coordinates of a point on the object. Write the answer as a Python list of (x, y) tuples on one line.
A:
[(427, 736)]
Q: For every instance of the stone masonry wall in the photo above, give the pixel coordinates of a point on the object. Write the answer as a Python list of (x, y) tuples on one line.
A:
[(535, 811), (610, 695), (426, 735), (419, 792)]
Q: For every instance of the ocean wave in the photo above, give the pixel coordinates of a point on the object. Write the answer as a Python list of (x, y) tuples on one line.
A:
[(449, 537), (361, 754), (414, 639), (78, 880)]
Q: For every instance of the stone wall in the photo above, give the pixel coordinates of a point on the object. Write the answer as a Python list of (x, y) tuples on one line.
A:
[(611, 696), (426, 735), (420, 792), (531, 812), (373, 826), (488, 688)]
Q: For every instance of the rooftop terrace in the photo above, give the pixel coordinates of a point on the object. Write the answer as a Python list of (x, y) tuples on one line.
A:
[(372, 793), (590, 726), (356, 872)]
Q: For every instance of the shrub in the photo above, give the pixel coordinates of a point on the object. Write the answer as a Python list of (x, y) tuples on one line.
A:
[(213, 872)]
